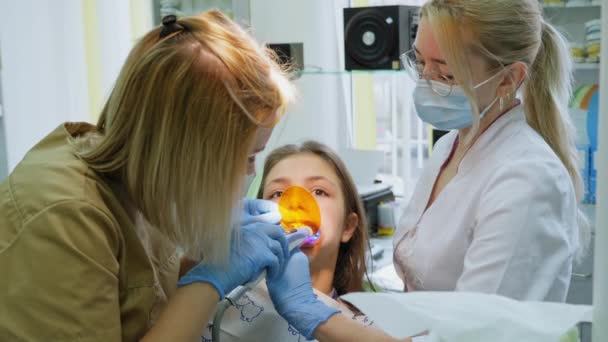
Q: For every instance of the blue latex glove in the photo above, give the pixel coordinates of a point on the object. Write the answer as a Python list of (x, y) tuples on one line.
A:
[(260, 246), (293, 298), (256, 210)]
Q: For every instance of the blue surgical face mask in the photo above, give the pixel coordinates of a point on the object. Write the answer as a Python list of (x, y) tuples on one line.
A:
[(446, 112)]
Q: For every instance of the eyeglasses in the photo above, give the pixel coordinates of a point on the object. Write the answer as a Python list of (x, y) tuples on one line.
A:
[(443, 84)]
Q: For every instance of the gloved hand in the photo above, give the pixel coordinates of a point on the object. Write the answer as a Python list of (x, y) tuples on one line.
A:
[(260, 246), (293, 298), (256, 210)]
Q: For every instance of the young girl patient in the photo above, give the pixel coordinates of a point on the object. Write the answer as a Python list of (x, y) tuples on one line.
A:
[(337, 260)]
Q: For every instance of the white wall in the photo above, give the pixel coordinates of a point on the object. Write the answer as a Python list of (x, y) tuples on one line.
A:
[(115, 39), (44, 63), (320, 112), (43, 70)]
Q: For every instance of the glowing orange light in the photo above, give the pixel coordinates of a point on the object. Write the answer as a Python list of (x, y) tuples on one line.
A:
[(299, 208)]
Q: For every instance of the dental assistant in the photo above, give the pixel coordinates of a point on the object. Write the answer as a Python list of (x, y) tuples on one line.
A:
[(95, 220), (496, 210)]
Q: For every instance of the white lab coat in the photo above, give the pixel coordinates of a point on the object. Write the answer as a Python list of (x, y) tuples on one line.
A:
[(505, 224)]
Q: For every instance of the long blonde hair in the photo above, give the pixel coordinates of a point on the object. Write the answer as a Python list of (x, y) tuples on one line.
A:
[(505, 32), (177, 129), (350, 265)]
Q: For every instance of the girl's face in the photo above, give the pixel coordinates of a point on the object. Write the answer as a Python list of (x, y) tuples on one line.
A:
[(311, 172)]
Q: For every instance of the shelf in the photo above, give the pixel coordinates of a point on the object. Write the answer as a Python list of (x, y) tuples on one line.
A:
[(574, 5), (347, 72), (577, 66), (587, 66)]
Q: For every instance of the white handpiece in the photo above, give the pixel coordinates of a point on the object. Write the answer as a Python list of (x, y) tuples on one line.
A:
[(299, 237)]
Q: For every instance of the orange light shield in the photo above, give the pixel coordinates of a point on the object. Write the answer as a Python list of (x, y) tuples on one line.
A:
[(299, 208)]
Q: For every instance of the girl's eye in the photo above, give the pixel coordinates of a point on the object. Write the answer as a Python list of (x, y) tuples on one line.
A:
[(319, 192), (276, 194)]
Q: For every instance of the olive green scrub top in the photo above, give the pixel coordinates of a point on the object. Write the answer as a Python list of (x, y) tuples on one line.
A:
[(75, 265)]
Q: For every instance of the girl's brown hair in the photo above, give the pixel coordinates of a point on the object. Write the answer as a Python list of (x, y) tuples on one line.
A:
[(350, 265), (180, 122)]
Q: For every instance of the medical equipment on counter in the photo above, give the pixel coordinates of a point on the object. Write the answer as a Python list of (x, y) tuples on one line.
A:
[(372, 197), (301, 219), (386, 218)]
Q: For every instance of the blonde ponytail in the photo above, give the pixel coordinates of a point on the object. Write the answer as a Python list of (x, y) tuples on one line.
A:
[(546, 96)]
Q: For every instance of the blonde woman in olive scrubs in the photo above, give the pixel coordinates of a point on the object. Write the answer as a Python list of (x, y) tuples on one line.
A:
[(96, 220)]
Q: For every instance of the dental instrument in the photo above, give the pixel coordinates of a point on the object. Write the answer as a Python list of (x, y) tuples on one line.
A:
[(301, 219)]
